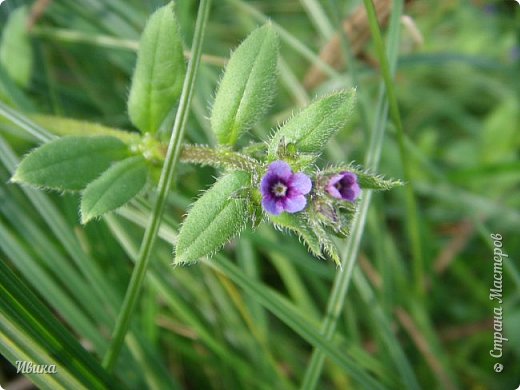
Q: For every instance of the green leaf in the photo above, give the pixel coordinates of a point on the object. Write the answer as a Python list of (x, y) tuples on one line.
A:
[(247, 87), (326, 243), (116, 186), (12, 94), (30, 332), (299, 225), (310, 129), (311, 233), (215, 218), (69, 163), (376, 182), (16, 55), (335, 216), (159, 73)]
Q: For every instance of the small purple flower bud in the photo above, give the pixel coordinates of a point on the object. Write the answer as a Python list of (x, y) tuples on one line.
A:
[(283, 190), (344, 186)]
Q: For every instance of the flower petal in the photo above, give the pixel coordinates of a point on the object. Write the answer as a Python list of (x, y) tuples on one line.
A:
[(295, 203), (280, 169), (300, 183), (344, 186), (333, 191), (334, 179), (351, 193), (267, 183), (271, 205), (348, 178)]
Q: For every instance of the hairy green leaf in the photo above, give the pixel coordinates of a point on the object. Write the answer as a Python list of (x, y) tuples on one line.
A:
[(310, 129), (16, 55), (12, 94), (69, 163), (247, 87), (334, 215), (215, 218), (327, 245), (311, 233), (159, 73), (297, 223), (116, 186)]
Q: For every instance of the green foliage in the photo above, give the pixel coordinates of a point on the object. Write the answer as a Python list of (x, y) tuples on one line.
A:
[(225, 319), (69, 163), (247, 87), (28, 329), (297, 224), (310, 129), (16, 55), (116, 186), (215, 218), (159, 73), (242, 97), (495, 149), (308, 229)]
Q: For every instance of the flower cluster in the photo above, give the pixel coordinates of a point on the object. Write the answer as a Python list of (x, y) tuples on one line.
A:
[(282, 190), (276, 180)]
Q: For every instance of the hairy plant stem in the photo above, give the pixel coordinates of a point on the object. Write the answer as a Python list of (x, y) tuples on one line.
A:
[(218, 157), (172, 156)]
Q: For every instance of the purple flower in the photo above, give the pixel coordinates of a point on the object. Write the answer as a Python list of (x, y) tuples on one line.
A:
[(283, 190), (344, 186)]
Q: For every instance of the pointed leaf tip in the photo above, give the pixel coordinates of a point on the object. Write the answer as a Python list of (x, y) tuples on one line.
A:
[(247, 86), (311, 128), (116, 186), (215, 218), (69, 163), (159, 72)]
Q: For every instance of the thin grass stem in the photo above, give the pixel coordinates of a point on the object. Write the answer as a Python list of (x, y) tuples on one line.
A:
[(31, 128), (318, 17), (165, 182), (349, 255), (411, 206), (108, 42)]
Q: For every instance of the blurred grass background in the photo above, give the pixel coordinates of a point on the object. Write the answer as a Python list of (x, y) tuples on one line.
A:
[(250, 317)]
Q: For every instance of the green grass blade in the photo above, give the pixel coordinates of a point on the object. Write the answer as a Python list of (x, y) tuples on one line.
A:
[(411, 205), (294, 320), (33, 129), (318, 17), (342, 280), (30, 331), (275, 304), (102, 295)]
